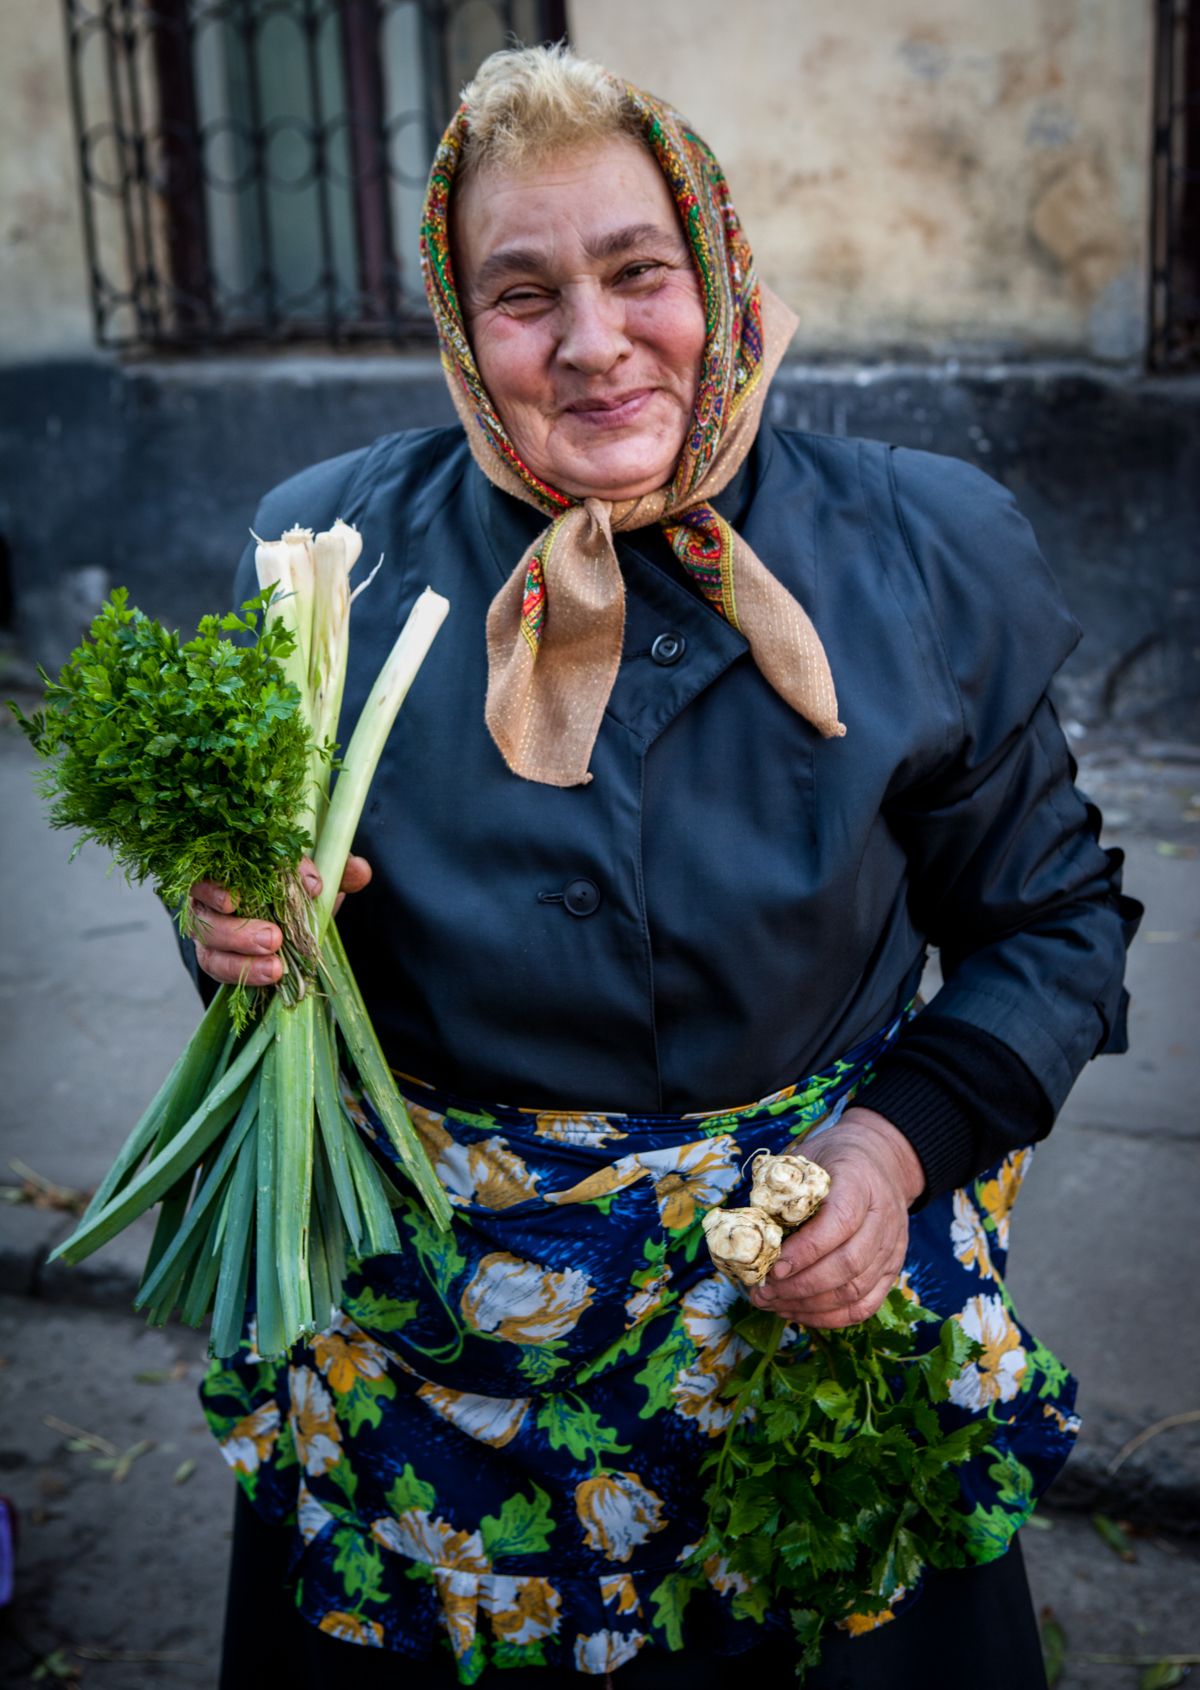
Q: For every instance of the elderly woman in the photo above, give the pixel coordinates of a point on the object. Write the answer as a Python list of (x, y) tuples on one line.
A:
[(636, 865)]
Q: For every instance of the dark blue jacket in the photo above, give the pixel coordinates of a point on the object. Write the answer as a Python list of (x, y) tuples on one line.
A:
[(760, 899)]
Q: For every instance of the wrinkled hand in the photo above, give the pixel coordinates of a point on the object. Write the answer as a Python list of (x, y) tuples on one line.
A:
[(230, 948), (837, 1268)]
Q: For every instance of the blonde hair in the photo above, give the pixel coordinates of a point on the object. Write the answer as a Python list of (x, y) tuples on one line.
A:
[(524, 103)]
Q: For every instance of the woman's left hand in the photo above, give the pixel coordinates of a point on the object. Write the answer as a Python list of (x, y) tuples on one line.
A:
[(837, 1268)]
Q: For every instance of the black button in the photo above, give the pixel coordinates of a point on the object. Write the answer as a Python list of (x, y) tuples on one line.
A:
[(581, 897), (668, 648)]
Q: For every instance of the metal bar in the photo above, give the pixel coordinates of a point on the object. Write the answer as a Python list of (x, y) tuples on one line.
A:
[(328, 278), (266, 278), (149, 280), (119, 129), (79, 117), (553, 19), (1154, 347), (435, 68), (363, 78), (182, 186), (1188, 172)]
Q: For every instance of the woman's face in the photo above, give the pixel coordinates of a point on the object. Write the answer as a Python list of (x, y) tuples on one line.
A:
[(584, 313)]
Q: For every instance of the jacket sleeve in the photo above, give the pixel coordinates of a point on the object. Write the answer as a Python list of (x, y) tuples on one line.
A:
[(312, 499), (1007, 875)]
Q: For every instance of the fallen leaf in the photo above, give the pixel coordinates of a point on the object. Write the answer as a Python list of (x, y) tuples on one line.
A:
[(1163, 1675), (184, 1472), (121, 1470), (1054, 1647), (152, 1376), (42, 1193), (1111, 1533), (78, 1437), (56, 1665), (88, 1652), (1040, 1523), (1168, 848)]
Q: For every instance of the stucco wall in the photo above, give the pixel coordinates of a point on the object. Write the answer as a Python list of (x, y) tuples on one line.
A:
[(933, 176), (43, 276), (943, 175)]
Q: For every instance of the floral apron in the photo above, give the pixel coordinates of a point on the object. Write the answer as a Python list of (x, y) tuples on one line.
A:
[(495, 1443)]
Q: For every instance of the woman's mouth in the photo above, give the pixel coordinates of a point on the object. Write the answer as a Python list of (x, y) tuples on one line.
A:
[(612, 412)]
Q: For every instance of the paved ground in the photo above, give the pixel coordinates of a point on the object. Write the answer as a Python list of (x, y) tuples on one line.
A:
[(125, 1577)]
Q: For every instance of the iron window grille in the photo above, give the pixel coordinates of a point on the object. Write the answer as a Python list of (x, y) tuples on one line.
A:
[(1175, 226), (252, 170)]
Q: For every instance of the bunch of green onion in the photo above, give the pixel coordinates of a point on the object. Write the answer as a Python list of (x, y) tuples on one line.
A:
[(249, 1145)]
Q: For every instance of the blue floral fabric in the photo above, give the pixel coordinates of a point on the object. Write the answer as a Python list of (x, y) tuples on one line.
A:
[(495, 1443)]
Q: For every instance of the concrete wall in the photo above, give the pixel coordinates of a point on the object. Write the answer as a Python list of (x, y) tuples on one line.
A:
[(949, 175), (149, 477), (44, 305)]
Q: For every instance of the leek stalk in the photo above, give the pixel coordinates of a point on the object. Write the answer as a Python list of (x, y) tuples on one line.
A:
[(288, 1194)]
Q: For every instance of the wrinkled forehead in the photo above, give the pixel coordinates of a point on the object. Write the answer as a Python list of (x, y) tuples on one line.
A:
[(593, 201)]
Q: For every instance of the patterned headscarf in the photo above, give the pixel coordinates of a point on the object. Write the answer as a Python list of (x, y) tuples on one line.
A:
[(555, 629)]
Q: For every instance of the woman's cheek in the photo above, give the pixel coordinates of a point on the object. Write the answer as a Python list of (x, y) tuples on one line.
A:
[(513, 355), (671, 321)]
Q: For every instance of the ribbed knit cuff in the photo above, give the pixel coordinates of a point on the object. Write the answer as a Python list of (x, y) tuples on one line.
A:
[(962, 1098), (931, 1119)]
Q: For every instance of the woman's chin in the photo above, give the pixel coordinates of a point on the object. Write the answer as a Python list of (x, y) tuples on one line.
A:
[(615, 470)]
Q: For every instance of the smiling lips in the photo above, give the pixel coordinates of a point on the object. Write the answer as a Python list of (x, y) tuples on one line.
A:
[(612, 412)]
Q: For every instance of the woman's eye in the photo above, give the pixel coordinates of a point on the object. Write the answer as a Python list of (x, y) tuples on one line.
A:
[(524, 298), (639, 272)]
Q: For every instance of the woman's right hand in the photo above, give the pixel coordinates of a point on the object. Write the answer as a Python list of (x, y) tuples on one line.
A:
[(229, 947)]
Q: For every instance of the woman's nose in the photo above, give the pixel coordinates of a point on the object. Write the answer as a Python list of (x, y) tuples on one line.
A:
[(593, 337)]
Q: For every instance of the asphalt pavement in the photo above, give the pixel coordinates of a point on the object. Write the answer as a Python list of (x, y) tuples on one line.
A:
[(124, 1501)]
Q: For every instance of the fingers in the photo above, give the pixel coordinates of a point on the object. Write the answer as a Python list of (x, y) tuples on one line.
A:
[(847, 1314), (213, 897), (843, 1215), (232, 948), (233, 932), (357, 874), (837, 1268), (852, 1269), (230, 967)]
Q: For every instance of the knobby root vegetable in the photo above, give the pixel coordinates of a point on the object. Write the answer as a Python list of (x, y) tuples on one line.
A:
[(785, 1191), (790, 1187), (744, 1243)]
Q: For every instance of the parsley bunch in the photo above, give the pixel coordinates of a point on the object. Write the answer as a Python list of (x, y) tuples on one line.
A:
[(188, 760), (210, 759), (835, 1483)]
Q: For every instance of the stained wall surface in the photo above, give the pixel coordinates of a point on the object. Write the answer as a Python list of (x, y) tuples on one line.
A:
[(43, 275), (920, 175)]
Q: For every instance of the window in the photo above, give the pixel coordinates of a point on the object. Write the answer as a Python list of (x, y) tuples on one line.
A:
[(253, 170), (1175, 233)]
